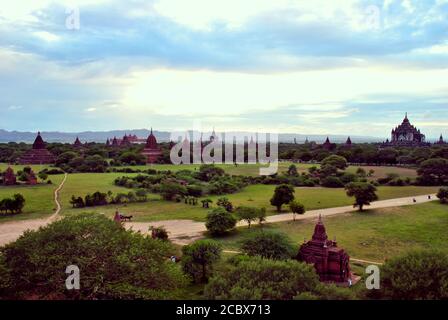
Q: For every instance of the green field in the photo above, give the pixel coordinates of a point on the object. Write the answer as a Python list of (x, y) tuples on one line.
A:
[(255, 195), (40, 198), (373, 235)]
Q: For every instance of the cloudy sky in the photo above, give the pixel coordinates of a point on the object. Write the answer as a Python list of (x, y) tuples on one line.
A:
[(309, 67)]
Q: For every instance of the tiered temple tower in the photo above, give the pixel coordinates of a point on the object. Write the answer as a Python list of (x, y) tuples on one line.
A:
[(151, 151), (332, 264), (38, 154), (406, 135)]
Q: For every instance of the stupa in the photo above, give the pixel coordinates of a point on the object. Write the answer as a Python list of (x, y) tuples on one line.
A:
[(151, 151), (38, 154)]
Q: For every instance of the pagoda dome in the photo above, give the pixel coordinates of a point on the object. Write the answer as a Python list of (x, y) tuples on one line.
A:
[(39, 142), (151, 142)]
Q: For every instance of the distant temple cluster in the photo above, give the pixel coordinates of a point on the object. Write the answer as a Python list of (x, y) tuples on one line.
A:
[(332, 263)]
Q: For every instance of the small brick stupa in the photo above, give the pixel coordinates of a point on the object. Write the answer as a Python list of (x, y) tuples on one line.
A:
[(77, 143), (38, 154), (9, 178), (152, 151), (332, 264)]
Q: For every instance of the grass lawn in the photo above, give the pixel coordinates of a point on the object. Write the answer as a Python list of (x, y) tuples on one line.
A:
[(39, 199), (256, 195), (373, 235)]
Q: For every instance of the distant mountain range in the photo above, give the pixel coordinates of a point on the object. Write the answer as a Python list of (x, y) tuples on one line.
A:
[(162, 136)]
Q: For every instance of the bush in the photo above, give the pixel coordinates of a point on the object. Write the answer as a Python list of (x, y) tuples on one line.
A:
[(443, 195), (262, 279), (14, 205), (114, 263), (332, 182), (414, 276), (225, 203), (198, 259), (283, 194), (219, 221), (159, 233), (270, 245)]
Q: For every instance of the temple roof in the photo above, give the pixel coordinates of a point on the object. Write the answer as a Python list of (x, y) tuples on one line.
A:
[(349, 141), (320, 234), (151, 142), (406, 127), (77, 142), (39, 142)]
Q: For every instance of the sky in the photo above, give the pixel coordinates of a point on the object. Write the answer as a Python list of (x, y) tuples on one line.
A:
[(306, 67)]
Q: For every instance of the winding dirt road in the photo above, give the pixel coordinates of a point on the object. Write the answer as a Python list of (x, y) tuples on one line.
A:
[(186, 231)]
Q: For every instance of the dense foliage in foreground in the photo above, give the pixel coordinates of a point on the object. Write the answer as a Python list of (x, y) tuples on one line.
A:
[(113, 263)]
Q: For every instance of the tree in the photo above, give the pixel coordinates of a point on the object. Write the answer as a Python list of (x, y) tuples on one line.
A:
[(269, 245), (443, 195), (434, 170), (158, 233), (248, 214), (335, 161), (292, 171), (360, 172), (118, 263), (262, 279), (296, 208), (209, 171), (219, 221), (363, 192), (417, 275), (283, 194), (206, 203), (225, 203), (170, 189), (261, 216), (332, 182), (42, 176), (198, 259)]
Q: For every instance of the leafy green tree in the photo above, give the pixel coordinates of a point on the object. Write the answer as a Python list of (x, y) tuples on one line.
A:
[(219, 221), (292, 171), (209, 171), (248, 214), (199, 257), (417, 275), (42, 176), (269, 245), (132, 158), (116, 263), (443, 195), (360, 172), (225, 203), (332, 182), (296, 208), (159, 233), (283, 194), (170, 189), (262, 279), (363, 192), (434, 170), (335, 161)]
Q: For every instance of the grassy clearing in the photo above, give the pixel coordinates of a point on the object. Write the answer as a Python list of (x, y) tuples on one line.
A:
[(39, 199), (256, 195), (373, 235)]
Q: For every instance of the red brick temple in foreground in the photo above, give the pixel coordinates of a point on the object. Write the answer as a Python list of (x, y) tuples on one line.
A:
[(332, 264), (152, 152), (38, 154)]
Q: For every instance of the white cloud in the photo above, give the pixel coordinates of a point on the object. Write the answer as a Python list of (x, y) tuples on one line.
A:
[(47, 36)]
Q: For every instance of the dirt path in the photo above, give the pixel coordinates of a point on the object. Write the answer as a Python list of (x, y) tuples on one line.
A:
[(10, 231), (186, 231)]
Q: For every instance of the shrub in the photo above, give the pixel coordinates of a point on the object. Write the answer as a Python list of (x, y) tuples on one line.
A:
[(414, 276), (198, 259), (296, 208), (225, 203), (270, 245), (443, 195), (116, 263), (219, 221), (262, 279), (332, 182)]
